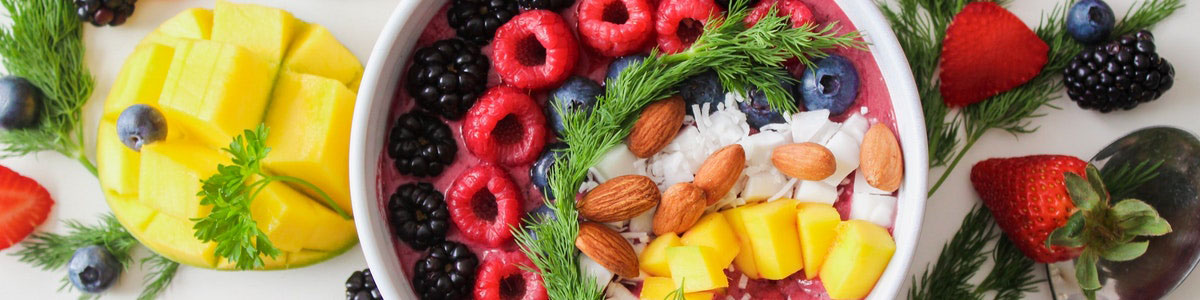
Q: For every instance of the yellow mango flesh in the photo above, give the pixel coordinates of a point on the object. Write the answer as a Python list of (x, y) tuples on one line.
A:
[(265, 31), (141, 79), (118, 165), (817, 224), (696, 268), (173, 238), (170, 177), (193, 23), (745, 257), (315, 51), (310, 130), (654, 257), (132, 214), (859, 255), (216, 90), (773, 237), (713, 231), (659, 288)]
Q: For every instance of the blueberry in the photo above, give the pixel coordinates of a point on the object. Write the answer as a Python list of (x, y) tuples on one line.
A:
[(577, 94), (1090, 21), (832, 85), (703, 88), (19, 103), (619, 64), (140, 125), (540, 171), (93, 269), (758, 109)]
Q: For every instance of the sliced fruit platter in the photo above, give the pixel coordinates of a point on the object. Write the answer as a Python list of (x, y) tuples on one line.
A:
[(483, 130)]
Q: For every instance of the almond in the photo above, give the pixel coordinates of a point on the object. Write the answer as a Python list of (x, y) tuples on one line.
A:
[(619, 199), (720, 171), (682, 204), (608, 248), (804, 161), (880, 159), (657, 126)]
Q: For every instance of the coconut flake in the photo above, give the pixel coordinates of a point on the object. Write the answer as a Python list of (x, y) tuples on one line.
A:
[(785, 191), (617, 291), (593, 269), (643, 223), (743, 281)]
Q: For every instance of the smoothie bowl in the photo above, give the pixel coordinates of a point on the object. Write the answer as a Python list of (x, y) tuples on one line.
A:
[(473, 113)]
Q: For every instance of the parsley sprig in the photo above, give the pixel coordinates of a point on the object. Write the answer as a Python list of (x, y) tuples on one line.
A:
[(230, 223)]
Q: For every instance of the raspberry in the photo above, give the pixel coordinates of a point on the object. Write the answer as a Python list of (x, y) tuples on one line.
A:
[(485, 204), (799, 13), (616, 27), (505, 127), (680, 22), (535, 50), (502, 277)]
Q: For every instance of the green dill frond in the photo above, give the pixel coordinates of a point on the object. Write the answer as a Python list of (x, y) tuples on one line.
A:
[(160, 272), (1123, 179), (964, 256), (51, 251)]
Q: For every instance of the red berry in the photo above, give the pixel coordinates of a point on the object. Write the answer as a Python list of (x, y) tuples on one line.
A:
[(1029, 200), (505, 127), (799, 12), (23, 206), (502, 276), (987, 50), (535, 50), (616, 27), (680, 22), (485, 204)]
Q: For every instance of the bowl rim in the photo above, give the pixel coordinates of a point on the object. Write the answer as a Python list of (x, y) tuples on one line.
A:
[(392, 50)]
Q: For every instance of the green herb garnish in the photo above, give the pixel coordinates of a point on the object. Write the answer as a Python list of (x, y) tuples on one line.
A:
[(741, 58), (230, 223), (963, 257), (161, 273)]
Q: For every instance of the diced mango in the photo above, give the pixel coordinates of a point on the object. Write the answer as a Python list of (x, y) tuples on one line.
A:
[(216, 90), (696, 268), (817, 224), (170, 177), (713, 231), (141, 79), (654, 257), (659, 288), (859, 255), (284, 215), (174, 238), (335, 234), (745, 258), (315, 51), (773, 237), (118, 165), (133, 215), (310, 120), (265, 31), (193, 23)]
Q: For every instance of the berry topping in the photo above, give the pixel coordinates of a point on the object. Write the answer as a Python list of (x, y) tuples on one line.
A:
[(447, 77), (539, 174), (447, 272), (485, 204), (680, 22), (700, 89), (758, 109), (104, 12), (421, 144), (477, 20), (504, 275), (19, 103), (1029, 199), (93, 269), (619, 64), (987, 50), (577, 94), (616, 27), (832, 85), (506, 127), (546, 4), (418, 215), (798, 12), (361, 286), (140, 125), (23, 205), (1090, 21), (536, 50), (1119, 75)]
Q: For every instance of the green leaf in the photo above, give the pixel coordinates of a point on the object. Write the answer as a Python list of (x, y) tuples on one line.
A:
[(1129, 208), (1125, 252), (1085, 271), (1145, 226), (1097, 183), (1082, 193), (1070, 234)]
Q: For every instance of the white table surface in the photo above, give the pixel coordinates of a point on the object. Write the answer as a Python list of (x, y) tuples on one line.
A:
[(358, 22)]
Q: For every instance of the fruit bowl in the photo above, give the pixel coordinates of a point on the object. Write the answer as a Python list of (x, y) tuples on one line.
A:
[(393, 52)]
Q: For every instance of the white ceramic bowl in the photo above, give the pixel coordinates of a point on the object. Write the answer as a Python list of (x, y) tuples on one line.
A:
[(396, 42)]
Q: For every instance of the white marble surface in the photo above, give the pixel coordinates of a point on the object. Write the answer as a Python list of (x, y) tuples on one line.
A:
[(357, 23)]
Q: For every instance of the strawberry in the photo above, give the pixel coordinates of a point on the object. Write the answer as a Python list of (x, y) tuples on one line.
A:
[(987, 50), (23, 206)]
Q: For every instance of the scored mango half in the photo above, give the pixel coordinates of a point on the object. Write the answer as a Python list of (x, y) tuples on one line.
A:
[(214, 74)]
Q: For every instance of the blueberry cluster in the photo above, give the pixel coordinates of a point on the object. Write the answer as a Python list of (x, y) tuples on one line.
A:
[(105, 12)]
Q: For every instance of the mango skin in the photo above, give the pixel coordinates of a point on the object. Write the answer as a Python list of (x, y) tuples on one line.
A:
[(860, 253)]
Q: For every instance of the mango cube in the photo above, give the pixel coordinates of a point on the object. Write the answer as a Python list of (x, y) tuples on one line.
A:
[(696, 268), (174, 238), (118, 165), (193, 23), (817, 224), (132, 214), (335, 234), (745, 258), (773, 237), (170, 177), (315, 51), (654, 257), (141, 79), (659, 288), (216, 91), (267, 32), (310, 119), (859, 255), (713, 231)]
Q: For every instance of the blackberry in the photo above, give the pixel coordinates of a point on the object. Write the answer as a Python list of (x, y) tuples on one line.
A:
[(447, 77), (477, 20), (104, 12), (545, 4), (419, 215), (1119, 75), (421, 144), (447, 272), (725, 3), (361, 286)]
